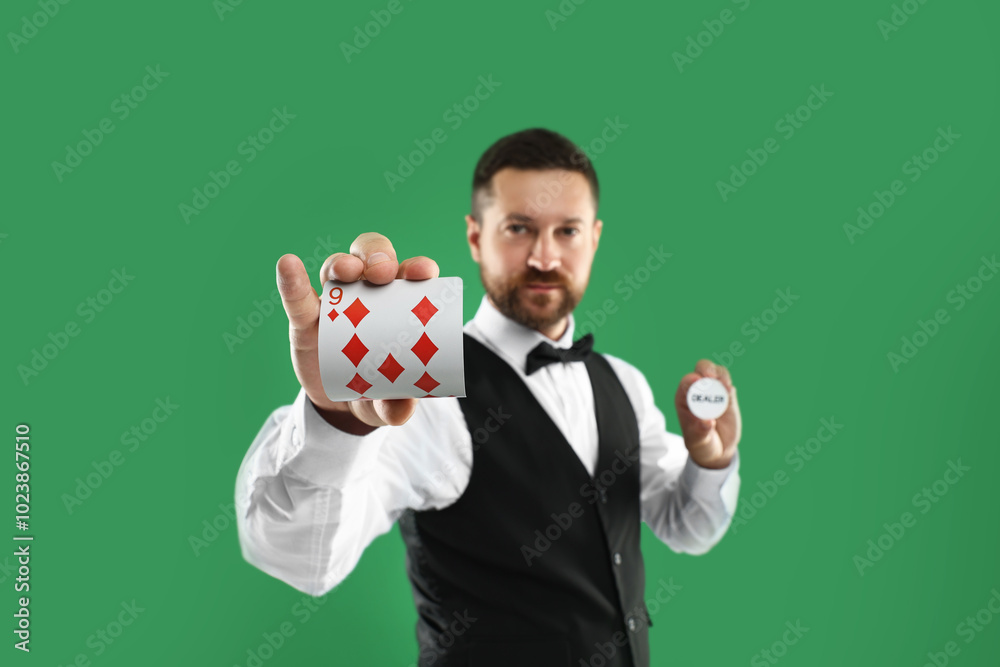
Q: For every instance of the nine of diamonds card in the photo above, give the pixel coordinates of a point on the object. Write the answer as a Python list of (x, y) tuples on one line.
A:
[(401, 340)]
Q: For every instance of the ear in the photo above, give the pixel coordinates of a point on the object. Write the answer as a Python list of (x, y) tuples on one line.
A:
[(598, 225), (472, 231)]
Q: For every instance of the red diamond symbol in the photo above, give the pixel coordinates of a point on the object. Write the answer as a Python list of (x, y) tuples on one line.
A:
[(359, 384), (424, 349), (332, 315), (426, 382), (390, 368), (355, 350), (356, 312), (424, 310)]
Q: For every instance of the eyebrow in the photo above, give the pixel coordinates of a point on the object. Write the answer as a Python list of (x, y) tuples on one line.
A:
[(521, 217)]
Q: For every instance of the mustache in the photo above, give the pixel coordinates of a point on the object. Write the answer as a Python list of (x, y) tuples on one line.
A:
[(533, 275)]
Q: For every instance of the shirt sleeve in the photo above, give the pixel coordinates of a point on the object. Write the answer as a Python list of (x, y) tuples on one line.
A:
[(688, 507), (310, 498)]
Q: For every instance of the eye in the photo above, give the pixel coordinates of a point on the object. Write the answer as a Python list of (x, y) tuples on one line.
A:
[(570, 231), (516, 228)]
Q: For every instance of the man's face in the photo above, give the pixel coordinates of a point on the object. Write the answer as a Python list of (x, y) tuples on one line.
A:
[(535, 245)]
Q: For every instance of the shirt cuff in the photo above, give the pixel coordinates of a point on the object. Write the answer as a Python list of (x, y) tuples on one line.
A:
[(325, 455), (708, 483)]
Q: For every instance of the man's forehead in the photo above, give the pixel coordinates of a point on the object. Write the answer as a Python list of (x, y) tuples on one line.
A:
[(551, 194), (513, 181)]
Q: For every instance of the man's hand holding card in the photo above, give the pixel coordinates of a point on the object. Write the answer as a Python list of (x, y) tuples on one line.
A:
[(379, 351)]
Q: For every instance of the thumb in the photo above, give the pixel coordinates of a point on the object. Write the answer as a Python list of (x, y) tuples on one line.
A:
[(299, 299)]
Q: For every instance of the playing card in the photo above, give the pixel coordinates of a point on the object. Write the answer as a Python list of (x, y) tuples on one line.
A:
[(401, 340)]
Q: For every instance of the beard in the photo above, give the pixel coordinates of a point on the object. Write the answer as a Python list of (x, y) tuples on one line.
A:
[(511, 298)]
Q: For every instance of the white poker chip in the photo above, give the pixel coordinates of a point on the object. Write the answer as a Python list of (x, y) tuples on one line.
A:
[(707, 398)]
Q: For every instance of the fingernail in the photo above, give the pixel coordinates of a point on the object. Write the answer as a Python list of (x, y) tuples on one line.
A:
[(377, 257)]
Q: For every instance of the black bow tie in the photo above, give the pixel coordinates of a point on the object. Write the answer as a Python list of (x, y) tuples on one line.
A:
[(544, 354)]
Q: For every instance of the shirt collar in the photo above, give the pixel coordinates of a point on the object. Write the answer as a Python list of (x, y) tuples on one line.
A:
[(511, 338)]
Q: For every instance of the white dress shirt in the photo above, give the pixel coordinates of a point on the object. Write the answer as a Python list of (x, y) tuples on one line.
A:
[(310, 498)]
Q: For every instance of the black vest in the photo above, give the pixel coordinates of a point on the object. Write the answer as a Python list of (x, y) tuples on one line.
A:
[(536, 564)]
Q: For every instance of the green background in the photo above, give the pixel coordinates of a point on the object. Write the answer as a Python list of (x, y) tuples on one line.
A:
[(323, 178)]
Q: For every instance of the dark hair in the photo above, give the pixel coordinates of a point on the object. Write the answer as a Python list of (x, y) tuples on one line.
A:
[(536, 148)]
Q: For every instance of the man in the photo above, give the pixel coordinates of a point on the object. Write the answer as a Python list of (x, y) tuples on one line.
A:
[(521, 503)]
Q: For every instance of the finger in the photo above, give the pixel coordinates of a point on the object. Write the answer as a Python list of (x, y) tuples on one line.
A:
[(724, 376), (297, 296), (343, 267), (397, 411), (706, 368), (418, 268), (384, 412), (378, 255)]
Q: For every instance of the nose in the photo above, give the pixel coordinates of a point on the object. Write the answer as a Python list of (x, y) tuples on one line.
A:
[(544, 254)]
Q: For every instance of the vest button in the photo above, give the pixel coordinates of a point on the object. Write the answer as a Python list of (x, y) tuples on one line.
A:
[(618, 558), (631, 624), (604, 496)]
